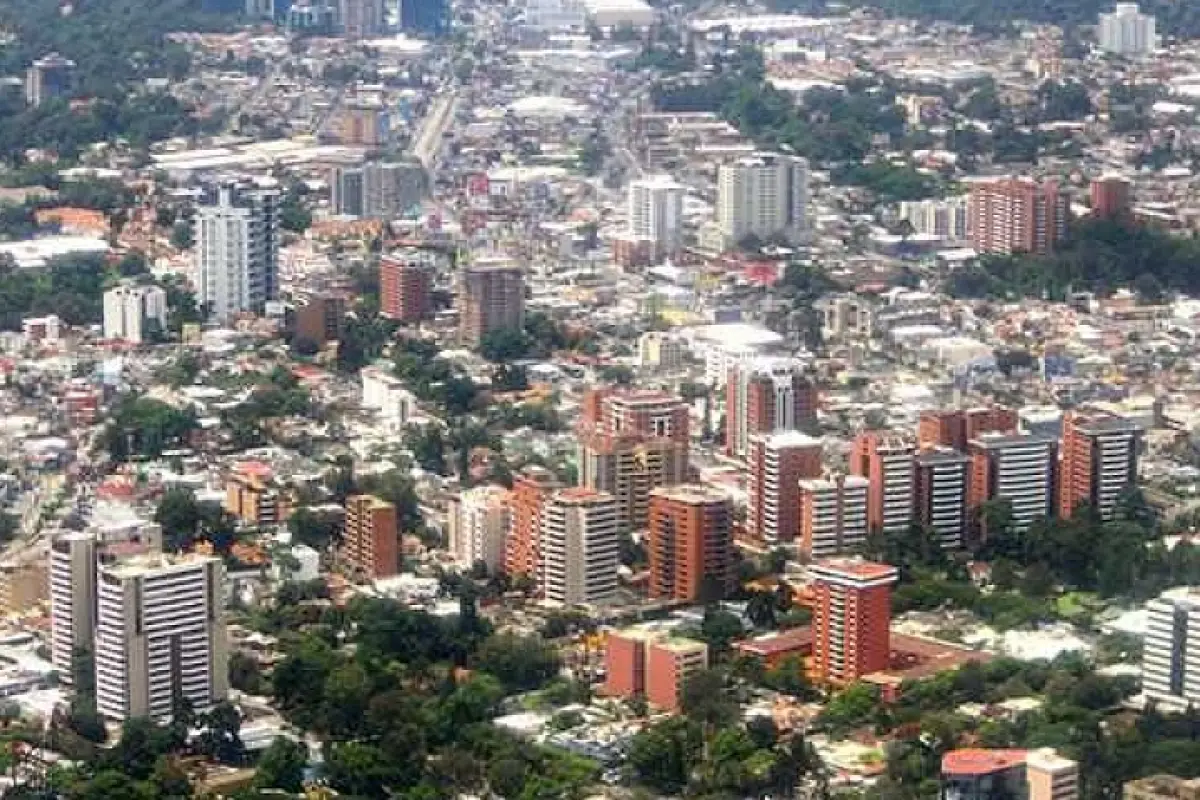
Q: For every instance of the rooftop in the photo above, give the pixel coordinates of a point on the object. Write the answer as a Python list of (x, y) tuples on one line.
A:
[(691, 494), (977, 761), (854, 568)]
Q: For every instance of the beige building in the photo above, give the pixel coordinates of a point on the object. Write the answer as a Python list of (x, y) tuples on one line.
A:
[(1162, 787), (660, 351), (580, 547), (72, 598), (478, 522), (491, 298), (1050, 776)]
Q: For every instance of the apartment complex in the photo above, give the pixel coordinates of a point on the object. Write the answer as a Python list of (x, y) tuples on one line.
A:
[(641, 662), (478, 521), (851, 618), (405, 287), (690, 543), (948, 218), (132, 313), (1171, 648), (580, 547), (370, 543), (656, 213), (1017, 215), (1019, 468), (765, 195), (766, 395), (940, 486), (1099, 462), (778, 462), (1126, 31), (886, 461), (531, 488), (237, 248), (491, 298)]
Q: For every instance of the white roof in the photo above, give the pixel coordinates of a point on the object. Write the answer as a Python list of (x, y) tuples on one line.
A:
[(34, 253), (734, 334)]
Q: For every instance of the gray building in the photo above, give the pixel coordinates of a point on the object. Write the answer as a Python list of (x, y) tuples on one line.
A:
[(379, 190), (237, 245)]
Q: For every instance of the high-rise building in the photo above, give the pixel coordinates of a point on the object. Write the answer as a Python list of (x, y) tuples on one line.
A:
[(49, 77), (690, 543), (1099, 462), (131, 313), (765, 195), (1126, 31), (660, 350), (371, 541), (954, 429), (406, 287), (1111, 197), (766, 395), (430, 17), (886, 461), (160, 636), (940, 481), (320, 317), (645, 413), (378, 190), (949, 218), (237, 248), (479, 520), (1017, 215), (833, 515), (532, 486), (1019, 468), (641, 662), (554, 15), (72, 598), (491, 298), (580, 547), (362, 122), (656, 212), (346, 191), (778, 462), (851, 618), (1171, 648), (361, 19)]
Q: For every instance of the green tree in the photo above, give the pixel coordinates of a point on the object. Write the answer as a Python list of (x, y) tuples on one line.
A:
[(282, 766), (521, 663), (663, 755)]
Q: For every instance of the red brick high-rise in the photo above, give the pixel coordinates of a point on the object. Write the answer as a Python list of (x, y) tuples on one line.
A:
[(371, 542), (491, 298), (851, 619), (954, 429), (1017, 215), (405, 286), (690, 543), (886, 461), (1098, 462), (778, 462), (1111, 197), (531, 487), (766, 395)]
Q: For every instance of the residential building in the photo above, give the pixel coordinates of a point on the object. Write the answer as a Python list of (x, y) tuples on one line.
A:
[(661, 351), (656, 212), (643, 662), (72, 599), (346, 191), (320, 318), (1112, 197), (429, 17), (532, 486), (580, 547), (764, 196), (690, 543), (832, 515), (1162, 787), (978, 774), (406, 287), (1125, 31), (386, 395), (940, 481), (237, 248), (886, 461), (370, 542), (1171, 648), (491, 298), (1049, 776), (851, 619), (635, 412), (253, 497), (955, 428), (778, 462), (361, 19), (1017, 215), (49, 77), (846, 316), (948, 218), (766, 395), (1099, 461), (134, 313), (1019, 468), (160, 636), (478, 522)]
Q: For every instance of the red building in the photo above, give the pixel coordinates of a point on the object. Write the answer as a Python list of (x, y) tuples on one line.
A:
[(626, 412), (690, 543), (650, 664), (1017, 215), (954, 429), (778, 462), (405, 285), (1111, 197), (371, 541), (766, 395), (851, 619), (320, 318), (531, 487), (1098, 462), (886, 461)]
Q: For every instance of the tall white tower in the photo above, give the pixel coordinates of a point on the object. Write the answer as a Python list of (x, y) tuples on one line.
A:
[(1171, 648), (1127, 32), (656, 212), (72, 598), (764, 195), (238, 248), (580, 547)]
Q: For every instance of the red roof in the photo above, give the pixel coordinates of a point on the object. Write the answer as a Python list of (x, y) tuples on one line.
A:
[(977, 761), (797, 640)]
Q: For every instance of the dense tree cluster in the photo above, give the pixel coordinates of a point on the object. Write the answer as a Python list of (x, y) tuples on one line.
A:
[(432, 378), (143, 426)]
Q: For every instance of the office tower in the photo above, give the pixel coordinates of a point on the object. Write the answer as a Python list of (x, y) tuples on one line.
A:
[(1171, 648), (531, 488), (764, 196), (580, 547), (320, 318), (160, 636), (134, 313), (429, 17), (49, 77), (1018, 468), (72, 598), (1099, 463), (949, 218), (690, 543), (370, 542), (346, 191), (479, 521), (1017, 215), (237, 248), (940, 481), (1161, 787), (851, 618), (491, 298), (1049, 776), (778, 462), (832, 515), (886, 461), (360, 19), (406, 287), (954, 429), (393, 189), (656, 212), (766, 395), (1126, 31), (1111, 197), (641, 662)]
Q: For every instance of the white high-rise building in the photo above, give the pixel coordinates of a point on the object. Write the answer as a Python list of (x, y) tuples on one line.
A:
[(237, 248), (129, 311), (479, 520), (949, 218), (1127, 32), (160, 635), (555, 15), (1171, 648), (580, 547), (765, 195), (72, 598), (656, 212)]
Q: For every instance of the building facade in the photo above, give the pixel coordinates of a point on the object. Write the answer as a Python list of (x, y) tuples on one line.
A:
[(940, 481), (531, 488), (580, 547), (491, 298), (833, 515), (1171, 648), (641, 662), (1017, 215), (1099, 462), (72, 599), (371, 541), (656, 212), (406, 287), (763, 196), (690, 543), (132, 313), (237, 248), (766, 395), (777, 463), (886, 461), (1019, 468), (1125, 31), (479, 522), (851, 619)]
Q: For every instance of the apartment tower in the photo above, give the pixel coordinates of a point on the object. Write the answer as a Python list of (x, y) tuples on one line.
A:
[(580, 547), (479, 520), (1099, 462), (886, 461), (237, 248), (405, 287), (766, 395), (491, 298), (940, 481), (765, 195), (370, 543), (531, 488), (833, 515), (690, 543), (1019, 468), (1017, 215), (851, 619), (72, 598), (656, 213), (1171, 648), (778, 462), (955, 428)]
